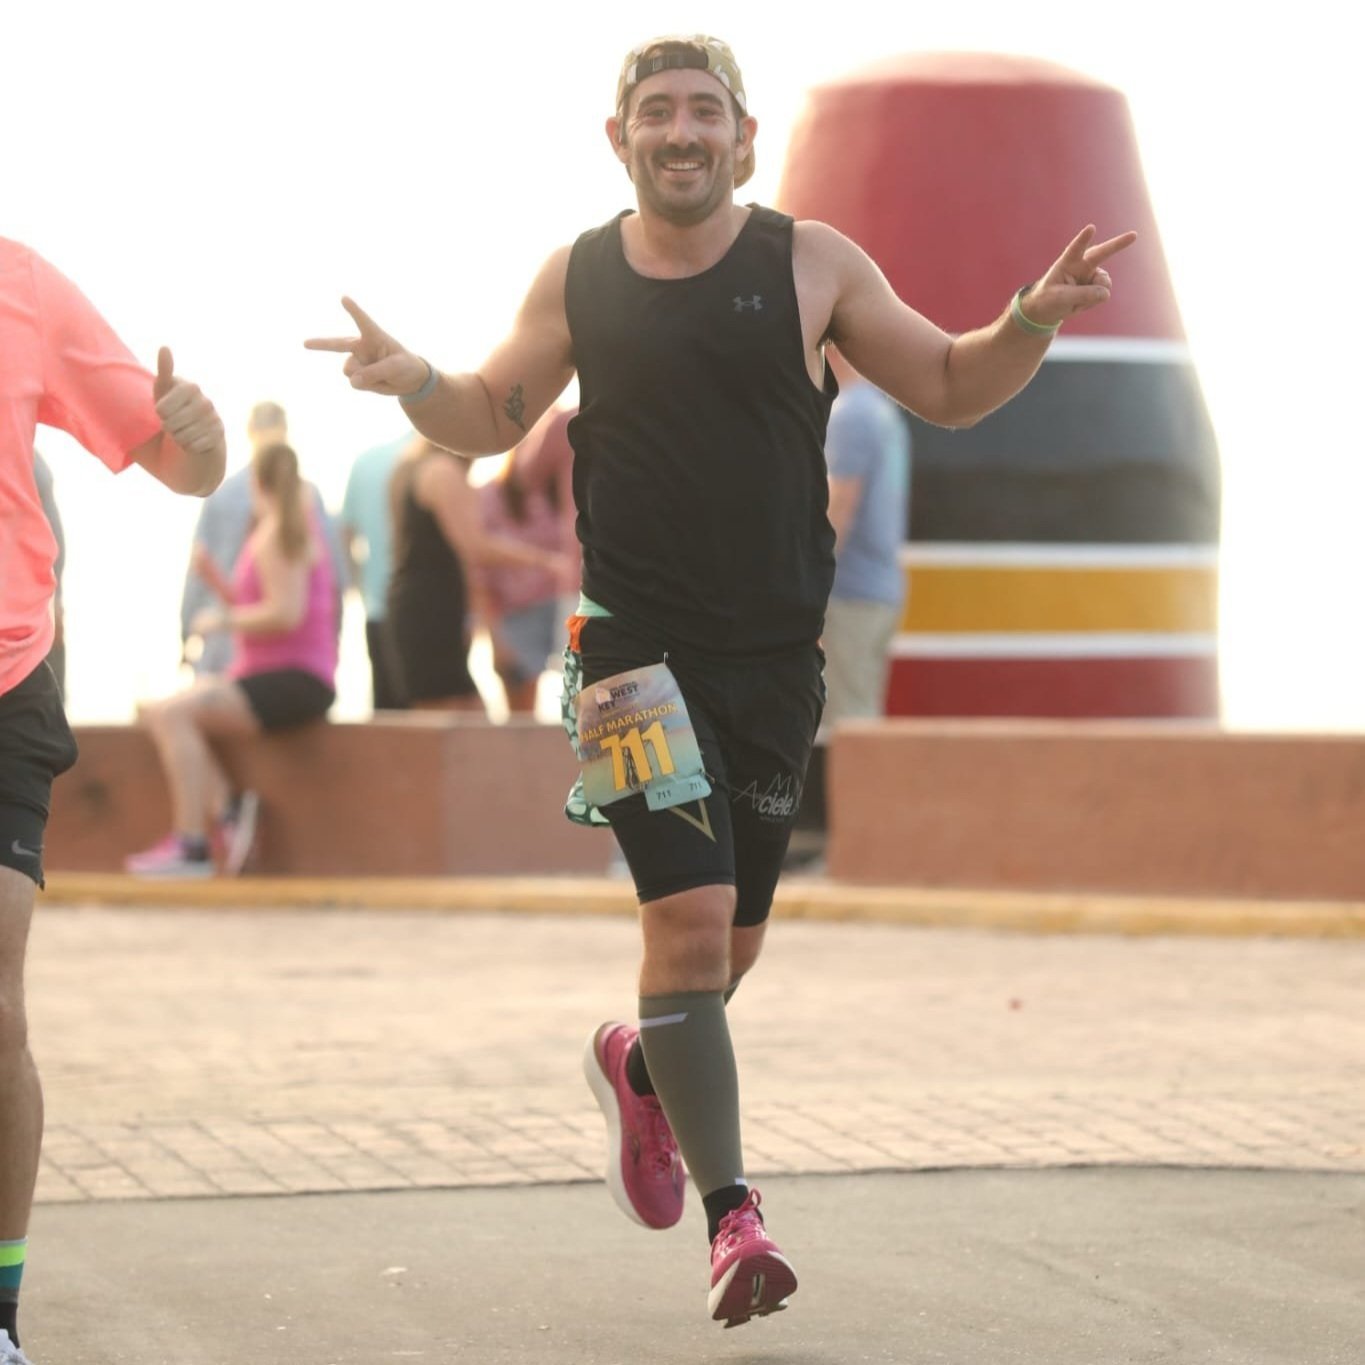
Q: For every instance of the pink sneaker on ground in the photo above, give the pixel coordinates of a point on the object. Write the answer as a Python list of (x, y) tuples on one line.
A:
[(644, 1171), (168, 859), (750, 1277)]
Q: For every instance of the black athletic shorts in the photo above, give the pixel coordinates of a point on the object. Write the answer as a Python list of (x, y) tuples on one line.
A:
[(283, 697), (36, 745), (755, 720)]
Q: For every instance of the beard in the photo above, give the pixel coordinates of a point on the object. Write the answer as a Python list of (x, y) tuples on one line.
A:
[(684, 207)]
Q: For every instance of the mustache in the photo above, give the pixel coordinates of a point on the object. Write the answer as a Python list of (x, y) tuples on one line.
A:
[(696, 152)]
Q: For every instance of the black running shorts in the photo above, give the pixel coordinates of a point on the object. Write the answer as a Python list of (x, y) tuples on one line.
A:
[(36, 745), (755, 720), (283, 697)]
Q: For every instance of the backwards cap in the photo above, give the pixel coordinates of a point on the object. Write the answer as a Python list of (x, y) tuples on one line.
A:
[(694, 52)]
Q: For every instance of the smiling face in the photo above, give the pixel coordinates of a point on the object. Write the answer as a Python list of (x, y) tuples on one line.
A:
[(679, 138)]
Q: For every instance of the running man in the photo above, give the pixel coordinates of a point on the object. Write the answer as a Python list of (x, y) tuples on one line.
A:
[(697, 328), (62, 365)]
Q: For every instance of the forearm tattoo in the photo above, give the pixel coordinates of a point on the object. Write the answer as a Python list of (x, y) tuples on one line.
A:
[(515, 407)]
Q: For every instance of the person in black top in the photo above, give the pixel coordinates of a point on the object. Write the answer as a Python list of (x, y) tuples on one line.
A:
[(427, 621), (438, 545), (697, 327)]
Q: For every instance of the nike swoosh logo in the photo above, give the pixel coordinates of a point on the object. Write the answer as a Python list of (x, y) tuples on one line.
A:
[(17, 847)]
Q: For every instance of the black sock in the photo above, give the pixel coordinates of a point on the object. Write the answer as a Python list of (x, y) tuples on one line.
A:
[(195, 847), (720, 1202), (9, 1320), (637, 1073)]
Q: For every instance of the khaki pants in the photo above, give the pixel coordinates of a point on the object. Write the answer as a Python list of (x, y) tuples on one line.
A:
[(857, 643)]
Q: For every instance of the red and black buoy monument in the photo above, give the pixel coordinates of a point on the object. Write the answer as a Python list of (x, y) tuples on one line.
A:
[(1062, 558)]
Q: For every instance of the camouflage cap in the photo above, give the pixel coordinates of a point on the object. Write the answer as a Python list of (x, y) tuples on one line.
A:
[(691, 51)]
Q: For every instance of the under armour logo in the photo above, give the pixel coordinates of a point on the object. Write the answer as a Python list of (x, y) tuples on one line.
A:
[(756, 303)]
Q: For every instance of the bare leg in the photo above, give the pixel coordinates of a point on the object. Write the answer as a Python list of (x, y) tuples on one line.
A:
[(746, 942), (21, 1094), (687, 941), (181, 727), (520, 693)]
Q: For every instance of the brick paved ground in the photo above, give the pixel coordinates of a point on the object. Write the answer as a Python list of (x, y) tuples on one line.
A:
[(211, 1052)]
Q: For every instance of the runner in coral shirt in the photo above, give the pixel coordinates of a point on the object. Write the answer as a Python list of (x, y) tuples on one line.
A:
[(63, 366)]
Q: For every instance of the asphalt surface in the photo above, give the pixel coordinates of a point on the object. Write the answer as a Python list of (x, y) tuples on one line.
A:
[(1067, 1267)]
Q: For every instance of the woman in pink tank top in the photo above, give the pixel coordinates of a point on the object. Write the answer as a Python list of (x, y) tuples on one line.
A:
[(281, 607)]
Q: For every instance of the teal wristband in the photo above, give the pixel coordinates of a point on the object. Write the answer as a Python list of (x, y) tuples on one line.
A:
[(1027, 324), (427, 389)]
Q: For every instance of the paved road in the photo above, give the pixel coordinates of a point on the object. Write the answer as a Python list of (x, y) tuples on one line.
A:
[(1109, 1267), (913, 1099)]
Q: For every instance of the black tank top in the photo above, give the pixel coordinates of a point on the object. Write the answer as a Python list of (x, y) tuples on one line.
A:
[(426, 570), (699, 468)]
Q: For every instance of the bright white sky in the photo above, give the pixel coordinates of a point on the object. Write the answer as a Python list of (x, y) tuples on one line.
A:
[(214, 176)]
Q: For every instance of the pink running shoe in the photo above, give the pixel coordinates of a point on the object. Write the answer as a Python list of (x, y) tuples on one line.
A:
[(644, 1171), (750, 1277), (168, 859)]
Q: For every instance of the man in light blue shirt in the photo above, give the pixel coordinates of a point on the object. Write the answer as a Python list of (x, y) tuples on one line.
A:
[(366, 526), (868, 453)]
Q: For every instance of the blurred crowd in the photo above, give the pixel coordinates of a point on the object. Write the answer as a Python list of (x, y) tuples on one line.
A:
[(434, 559), (437, 562)]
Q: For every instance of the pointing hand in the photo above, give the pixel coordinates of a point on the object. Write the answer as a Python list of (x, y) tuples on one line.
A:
[(374, 360)]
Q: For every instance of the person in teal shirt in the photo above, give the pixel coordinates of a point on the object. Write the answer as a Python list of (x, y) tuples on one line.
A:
[(366, 525)]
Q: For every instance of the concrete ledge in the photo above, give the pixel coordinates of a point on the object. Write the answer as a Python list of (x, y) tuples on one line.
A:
[(797, 898), (415, 795), (1130, 809)]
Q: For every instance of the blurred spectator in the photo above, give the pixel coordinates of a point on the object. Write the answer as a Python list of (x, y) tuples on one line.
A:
[(544, 462), (366, 527), (280, 607), (56, 659), (523, 605), (868, 452), (223, 526), (439, 544)]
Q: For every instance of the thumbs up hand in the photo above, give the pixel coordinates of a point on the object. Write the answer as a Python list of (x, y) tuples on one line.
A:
[(187, 416), (165, 377)]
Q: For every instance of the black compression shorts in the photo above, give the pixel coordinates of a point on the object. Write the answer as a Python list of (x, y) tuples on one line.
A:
[(755, 721)]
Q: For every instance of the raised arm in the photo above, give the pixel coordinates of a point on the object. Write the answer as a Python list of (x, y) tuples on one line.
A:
[(950, 381), (485, 411), (189, 453), (204, 566)]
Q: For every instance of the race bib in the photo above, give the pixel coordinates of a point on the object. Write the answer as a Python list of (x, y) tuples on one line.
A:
[(634, 735)]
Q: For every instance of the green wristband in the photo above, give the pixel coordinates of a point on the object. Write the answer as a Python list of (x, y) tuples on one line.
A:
[(427, 389), (1027, 324)]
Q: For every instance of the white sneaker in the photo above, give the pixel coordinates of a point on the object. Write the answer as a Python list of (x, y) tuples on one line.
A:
[(10, 1354)]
